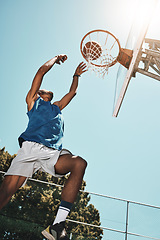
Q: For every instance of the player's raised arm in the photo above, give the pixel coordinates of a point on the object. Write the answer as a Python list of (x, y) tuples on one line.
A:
[(73, 89), (32, 94)]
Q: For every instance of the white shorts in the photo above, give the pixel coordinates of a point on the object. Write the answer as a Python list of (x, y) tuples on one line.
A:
[(32, 157)]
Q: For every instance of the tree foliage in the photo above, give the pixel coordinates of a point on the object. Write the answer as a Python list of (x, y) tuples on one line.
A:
[(33, 207)]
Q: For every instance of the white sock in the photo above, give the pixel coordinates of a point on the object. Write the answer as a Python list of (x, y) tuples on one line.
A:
[(61, 215)]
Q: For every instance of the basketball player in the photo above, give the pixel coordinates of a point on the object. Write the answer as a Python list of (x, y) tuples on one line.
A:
[(41, 148)]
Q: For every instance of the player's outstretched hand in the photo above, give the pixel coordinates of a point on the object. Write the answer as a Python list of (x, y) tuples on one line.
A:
[(82, 67), (61, 58)]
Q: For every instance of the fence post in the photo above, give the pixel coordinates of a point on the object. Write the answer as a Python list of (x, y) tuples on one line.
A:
[(127, 220)]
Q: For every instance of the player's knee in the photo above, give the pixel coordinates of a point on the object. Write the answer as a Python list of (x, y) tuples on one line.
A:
[(80, 163)]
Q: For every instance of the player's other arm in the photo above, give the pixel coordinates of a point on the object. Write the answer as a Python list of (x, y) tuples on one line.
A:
[(73, 89), (37, 81)]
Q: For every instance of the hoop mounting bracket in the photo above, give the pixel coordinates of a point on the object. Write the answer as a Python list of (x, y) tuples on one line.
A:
[(125, 57)]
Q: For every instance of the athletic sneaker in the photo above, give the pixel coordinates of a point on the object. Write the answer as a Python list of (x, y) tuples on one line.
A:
[(56, 232)]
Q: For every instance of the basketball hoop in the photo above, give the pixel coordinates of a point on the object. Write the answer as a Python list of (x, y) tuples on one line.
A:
[(100, 49)]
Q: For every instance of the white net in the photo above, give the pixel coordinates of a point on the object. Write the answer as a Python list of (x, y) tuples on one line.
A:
[(105, 60), (100, 49)]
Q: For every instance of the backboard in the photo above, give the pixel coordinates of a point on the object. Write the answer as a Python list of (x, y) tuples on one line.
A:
[(142, 19)]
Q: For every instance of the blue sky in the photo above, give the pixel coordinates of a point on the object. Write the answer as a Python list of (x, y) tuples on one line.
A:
[(122, 153)]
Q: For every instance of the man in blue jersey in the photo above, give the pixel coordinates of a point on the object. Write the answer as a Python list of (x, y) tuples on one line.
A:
[(41, 148)]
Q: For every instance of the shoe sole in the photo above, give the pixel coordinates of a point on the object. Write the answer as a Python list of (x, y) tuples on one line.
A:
[(48, 235)]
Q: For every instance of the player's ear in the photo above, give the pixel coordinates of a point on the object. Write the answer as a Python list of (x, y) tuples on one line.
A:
[(51, 94)]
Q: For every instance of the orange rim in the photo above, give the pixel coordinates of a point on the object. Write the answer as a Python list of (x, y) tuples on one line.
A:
[(100, 30)]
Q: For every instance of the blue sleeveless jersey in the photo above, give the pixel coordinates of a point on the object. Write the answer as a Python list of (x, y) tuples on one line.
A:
[(45, 125)]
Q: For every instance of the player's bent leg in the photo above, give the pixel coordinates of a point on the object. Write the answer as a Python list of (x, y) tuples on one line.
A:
[(76, 166), (10, 185)]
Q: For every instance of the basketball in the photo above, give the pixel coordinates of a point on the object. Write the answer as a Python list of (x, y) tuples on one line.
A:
[(92, 50)]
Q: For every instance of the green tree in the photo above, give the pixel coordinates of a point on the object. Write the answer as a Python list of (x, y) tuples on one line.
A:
[(34, 207)]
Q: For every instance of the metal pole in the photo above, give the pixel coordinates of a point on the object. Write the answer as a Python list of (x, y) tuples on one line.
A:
[(127, 220)]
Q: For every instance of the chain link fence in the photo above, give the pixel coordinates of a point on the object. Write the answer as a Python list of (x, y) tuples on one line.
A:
[(120, 219)]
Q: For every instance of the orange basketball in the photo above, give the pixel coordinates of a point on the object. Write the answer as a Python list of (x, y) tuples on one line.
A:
[(92, 50)]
